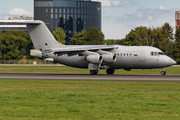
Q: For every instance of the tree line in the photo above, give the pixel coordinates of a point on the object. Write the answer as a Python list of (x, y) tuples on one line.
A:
[(160, 37), (17, 44)]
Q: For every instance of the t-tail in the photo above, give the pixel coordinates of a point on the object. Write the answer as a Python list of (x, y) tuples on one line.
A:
[(40, 34)]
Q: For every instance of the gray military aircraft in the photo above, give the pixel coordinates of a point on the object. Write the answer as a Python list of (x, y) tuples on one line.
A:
[(93, 57)]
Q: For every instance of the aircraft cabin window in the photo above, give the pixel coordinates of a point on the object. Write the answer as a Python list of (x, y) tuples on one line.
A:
[(135, 54)]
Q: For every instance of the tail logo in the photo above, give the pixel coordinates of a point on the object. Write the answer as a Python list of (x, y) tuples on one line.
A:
[(46, 44)]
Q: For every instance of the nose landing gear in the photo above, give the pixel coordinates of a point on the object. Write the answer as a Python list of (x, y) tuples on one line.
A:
[(163, 72)]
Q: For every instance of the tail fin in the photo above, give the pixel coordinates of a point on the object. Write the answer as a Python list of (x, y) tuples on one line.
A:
[(40, 35)]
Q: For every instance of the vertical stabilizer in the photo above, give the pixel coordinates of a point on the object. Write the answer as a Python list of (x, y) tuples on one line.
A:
[(41, 36)]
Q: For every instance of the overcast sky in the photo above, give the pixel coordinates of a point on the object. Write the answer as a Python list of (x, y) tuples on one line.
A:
[(118, 16)]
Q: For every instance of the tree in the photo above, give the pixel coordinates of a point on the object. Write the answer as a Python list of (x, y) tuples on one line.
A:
[(79, 38), (155, 36), (120, 42), (92, 37), (109, 42), (138, 36), (95, 37), (168, 36), (15, 44), (59, 35)]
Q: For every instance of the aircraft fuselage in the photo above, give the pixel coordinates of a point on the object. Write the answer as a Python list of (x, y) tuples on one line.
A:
[(127, 57)]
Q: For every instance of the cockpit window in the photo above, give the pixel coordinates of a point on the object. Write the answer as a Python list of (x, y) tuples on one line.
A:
[(161, 53), (156, 53)]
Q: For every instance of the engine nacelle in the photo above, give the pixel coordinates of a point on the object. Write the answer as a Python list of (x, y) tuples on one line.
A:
[(36, 53), (96, 59), (109, 58)]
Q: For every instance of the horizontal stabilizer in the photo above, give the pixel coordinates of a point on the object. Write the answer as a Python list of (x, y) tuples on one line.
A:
[(40, 34)]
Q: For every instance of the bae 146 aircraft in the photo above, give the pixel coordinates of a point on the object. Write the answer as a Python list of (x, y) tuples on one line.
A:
[(93, 57)]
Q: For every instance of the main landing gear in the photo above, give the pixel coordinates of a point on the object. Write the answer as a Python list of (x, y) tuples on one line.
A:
[(163, 72), (94, 72), (110, 71)]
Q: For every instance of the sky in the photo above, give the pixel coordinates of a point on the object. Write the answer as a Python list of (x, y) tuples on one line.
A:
[(118, 16)]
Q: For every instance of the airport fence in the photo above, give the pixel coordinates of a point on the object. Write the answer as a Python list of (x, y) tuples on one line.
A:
[(24, 61)]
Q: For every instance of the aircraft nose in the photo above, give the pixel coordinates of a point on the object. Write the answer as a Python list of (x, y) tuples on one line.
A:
[(172, 62)]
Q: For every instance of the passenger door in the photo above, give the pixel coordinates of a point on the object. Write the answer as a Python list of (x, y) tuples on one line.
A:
[(142, 56)]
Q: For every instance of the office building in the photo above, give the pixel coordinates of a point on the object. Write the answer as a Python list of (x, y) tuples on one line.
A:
[(71, 15)]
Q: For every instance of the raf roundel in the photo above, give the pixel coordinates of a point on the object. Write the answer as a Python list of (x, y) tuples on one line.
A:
[(46, 44)]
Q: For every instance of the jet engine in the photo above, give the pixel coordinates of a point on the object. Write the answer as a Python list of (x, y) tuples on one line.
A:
[(96, 59), (109, 58), (36, 53)]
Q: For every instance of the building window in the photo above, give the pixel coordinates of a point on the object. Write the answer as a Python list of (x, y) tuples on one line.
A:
[(46, 10), (82, 4), (59, 10), (52, 27), (67, 16), (55, 10), (78, 10), (64, 10), (56, 16), (51, 16), (87, 4), (78, 4), (67, 10), (72, 11), (51, 10)]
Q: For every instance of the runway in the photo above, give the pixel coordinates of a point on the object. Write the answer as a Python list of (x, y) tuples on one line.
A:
[(90, 77)]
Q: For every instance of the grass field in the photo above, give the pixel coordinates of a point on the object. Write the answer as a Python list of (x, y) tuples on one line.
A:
[(88, 100), (71, 70)]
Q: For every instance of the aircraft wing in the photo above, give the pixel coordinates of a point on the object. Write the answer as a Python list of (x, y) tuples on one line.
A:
[(82, 50)]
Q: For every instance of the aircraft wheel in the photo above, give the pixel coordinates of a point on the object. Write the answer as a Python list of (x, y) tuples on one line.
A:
[(110, 71), (93, 72), (163, 72)]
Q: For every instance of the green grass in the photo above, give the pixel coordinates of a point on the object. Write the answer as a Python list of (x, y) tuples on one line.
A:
[(71, 70), (88, 100)]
